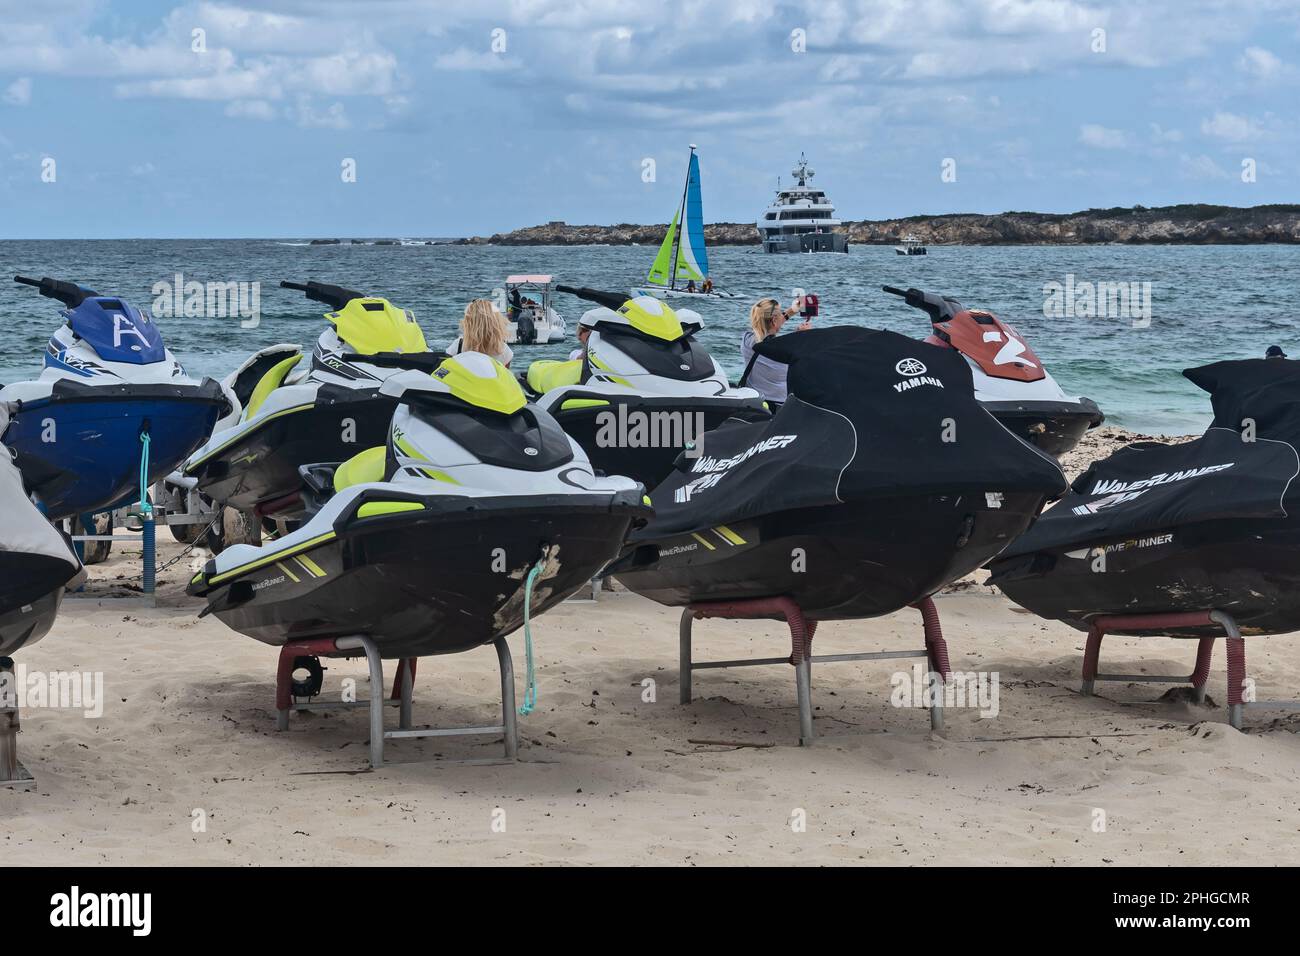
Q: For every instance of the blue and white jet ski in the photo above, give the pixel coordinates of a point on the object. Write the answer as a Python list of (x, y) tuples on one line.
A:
[(111, 407)]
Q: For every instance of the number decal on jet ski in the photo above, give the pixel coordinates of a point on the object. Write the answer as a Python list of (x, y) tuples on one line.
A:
[(1013, 351), (122, 325)]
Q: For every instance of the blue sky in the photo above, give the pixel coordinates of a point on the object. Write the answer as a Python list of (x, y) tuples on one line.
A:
[(450, 136)]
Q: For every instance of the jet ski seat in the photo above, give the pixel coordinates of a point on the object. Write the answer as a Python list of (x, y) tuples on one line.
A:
[(269, 382), (547, 374), (369, 465)]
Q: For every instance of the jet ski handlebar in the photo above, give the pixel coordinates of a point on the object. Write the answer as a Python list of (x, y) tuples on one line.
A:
[(69, 293), (334, 296), (938, 307), (610, 300)]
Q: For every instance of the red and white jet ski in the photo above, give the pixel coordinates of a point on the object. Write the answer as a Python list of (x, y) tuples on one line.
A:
[(1010, 380)]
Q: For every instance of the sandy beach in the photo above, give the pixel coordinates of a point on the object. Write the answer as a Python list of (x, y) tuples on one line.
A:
[(606, 776)]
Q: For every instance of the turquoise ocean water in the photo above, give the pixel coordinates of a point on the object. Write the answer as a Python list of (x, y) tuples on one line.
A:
[(1207, 302)]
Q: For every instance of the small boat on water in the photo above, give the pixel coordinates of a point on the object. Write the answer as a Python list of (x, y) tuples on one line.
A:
[(681, 269), (531, 318), (910, 246)]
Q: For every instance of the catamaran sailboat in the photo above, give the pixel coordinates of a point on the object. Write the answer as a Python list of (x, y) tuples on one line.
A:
[(683, 260)]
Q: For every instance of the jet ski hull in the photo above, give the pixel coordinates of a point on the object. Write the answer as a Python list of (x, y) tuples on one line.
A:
[(259, 467), (1247, 568), (642, 437), (28, 623), (435, 581), (1053, 427), (854, 560), (79, 450), (33, 586)]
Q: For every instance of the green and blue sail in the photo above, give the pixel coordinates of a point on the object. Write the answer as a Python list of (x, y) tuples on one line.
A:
[(692, 258)]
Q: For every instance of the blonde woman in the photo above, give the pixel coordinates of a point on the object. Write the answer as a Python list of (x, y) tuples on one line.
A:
[(483, 329), (762, 374)]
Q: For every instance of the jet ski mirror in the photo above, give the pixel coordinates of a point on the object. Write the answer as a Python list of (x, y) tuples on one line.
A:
[(335, 296), (69, 293)]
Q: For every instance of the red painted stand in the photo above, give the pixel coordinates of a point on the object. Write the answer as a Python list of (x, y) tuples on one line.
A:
[(802, 631), (1160, 624)]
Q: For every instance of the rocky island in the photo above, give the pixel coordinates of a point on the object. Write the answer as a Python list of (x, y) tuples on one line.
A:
[(1192, 224)]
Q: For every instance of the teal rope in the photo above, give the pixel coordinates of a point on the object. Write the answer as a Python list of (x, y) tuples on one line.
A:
[(145, 507), (530, 679)]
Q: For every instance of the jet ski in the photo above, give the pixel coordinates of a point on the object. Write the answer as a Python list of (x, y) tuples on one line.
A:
[(644, 390), (36, 564), (1210, 524), (879, 481), (428, 543), (289, 415), (1009, 378), (78, 431)]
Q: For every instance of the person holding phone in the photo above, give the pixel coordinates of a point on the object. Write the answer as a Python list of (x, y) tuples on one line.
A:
[(765, 376)]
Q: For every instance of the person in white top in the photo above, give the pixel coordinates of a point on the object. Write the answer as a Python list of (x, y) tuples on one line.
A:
[(762, 374), (483, 329)]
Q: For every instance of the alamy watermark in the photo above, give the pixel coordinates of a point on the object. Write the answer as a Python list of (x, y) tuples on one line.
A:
[(209, 300), (1103, 300), (633, 428), (68, 690), (921, 687)]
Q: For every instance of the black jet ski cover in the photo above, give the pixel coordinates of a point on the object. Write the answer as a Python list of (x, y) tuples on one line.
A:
[(1232, 471), (871, 414), (1259, 395)]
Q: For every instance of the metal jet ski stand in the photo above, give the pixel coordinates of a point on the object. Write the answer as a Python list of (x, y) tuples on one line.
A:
[(1156, 625), (802, 630), (12, 772), (292, 694)]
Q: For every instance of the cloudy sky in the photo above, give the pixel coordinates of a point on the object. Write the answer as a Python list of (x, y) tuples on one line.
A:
[(471, 117)]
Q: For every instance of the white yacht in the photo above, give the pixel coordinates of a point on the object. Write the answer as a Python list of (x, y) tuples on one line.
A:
[(801, 219)]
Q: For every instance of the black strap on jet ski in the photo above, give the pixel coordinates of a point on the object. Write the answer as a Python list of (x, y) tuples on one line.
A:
[(419, 361), (69, 293), (334, 296)]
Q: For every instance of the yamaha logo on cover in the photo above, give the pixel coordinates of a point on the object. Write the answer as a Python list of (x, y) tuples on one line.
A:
[(913, 371)]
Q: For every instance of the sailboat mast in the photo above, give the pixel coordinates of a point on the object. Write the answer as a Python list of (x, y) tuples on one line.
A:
[(681, 213)]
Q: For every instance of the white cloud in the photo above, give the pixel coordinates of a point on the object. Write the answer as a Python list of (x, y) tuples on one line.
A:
[(1201, 167), (1101, 137), (1259, 62), (19, 92), (468, 60), (1161, 135), (333, 116), (250, 109), (1230, 126)]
